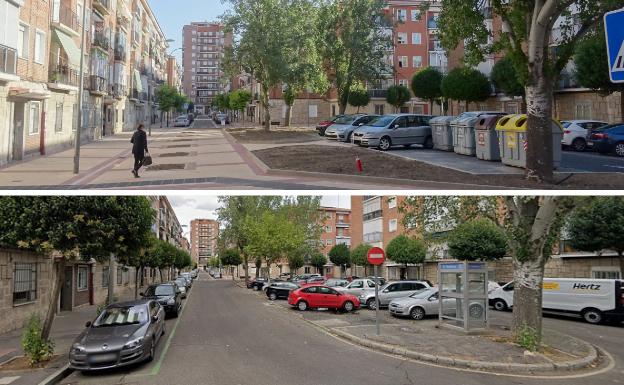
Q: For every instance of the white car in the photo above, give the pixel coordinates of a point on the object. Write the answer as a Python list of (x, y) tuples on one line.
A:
[(427, 302), (575, 133), (182, 121)]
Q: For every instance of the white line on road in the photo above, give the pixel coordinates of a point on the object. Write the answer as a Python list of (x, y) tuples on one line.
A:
[(8, 380)]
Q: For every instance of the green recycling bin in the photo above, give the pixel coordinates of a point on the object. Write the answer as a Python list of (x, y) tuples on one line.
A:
[(513, 144), (442, 132)]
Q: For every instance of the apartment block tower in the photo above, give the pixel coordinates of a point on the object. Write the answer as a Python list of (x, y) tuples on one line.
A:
[(203, 78), (204, 235)]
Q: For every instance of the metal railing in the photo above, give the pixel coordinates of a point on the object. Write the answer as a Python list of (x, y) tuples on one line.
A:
[(62, 73), (378, 93), (66, 15), (98, 84), (101, 38), (373, 237), (8, 60), (119, 90), (121, 53), (372, 215)]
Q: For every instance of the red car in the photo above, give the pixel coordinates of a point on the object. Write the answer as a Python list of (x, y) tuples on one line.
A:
[(318, 296)]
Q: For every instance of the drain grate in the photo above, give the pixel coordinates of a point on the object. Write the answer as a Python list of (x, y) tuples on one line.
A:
[(179, 146), (174, 154), (167, 167), (182, 140)]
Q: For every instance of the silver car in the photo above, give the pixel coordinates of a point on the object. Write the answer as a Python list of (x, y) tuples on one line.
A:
[(181, 282), (123, 334), (392, 290), (424, 303), (358, 287), (388, 131), (342, 129)]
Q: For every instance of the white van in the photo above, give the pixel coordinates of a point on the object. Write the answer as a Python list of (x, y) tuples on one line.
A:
[(595, 300)]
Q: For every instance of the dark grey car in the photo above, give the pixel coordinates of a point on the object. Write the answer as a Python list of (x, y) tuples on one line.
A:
[(123, 334)]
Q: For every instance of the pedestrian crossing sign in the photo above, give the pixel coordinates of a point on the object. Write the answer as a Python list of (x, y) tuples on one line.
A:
[(614, 30)]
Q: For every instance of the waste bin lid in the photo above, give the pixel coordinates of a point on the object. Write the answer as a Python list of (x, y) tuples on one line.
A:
[(487, 122), (518, 123), (441, 120)]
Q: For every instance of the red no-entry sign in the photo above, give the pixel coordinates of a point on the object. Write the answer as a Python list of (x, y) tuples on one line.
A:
[(376, 256)]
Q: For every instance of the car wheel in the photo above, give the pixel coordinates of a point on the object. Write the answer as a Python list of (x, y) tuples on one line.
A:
[(619, 149), (428, 143), (592, 316), (579, 144), (417, 313), (152, 351), (499, 305), (349, 137), (256, 288), (272, 296), (302, 306), (371, 304), (385, 143), (348, 306)]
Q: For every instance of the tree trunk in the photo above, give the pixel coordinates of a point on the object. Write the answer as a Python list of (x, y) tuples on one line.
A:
[(539, 131), (527, 305), (246, 268), (54, 300), (136, 282), (111, 284), (288, 115), (467, 106), (258, 269), (267, 108), (161, 275)]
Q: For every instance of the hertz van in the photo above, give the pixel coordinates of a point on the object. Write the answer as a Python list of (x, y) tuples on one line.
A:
[(594, 300)]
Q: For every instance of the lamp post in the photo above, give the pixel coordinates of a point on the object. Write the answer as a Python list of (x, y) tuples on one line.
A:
[(80, 92)]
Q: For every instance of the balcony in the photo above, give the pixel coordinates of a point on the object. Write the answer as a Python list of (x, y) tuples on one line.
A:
[(373, 237), (142, 96), (123, 22), (101, 39), (64, 18), (103, 6), (121, 53), (98, 85), (119, 91), (62, 73), (372, 215), (8, 61), (343, 224), (378, 93)]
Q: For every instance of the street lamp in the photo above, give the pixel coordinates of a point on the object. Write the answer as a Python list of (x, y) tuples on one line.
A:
[(80, 92)]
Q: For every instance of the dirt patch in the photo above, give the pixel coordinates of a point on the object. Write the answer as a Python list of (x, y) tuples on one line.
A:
[(166, 167), (341, 160), (23, 363), (281, 135)]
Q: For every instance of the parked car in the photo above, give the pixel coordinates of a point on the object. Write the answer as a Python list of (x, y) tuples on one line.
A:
[(280, 290), (194, 273), (257, 283), (343, 127), (182, 121), (425, 303), (189, 282), (284, 276), (575, 133), (304, 278), (167, 295), (336, 282), (392, 290), (318, 296), (221, 118), (608, 139), (188, 276), (123, 334), (358, 287), (388, 131), (267, 283), (380, 280), (322, 126), (181, 282), (318, 279)]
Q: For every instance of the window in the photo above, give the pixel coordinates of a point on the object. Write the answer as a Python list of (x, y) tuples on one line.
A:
[(416, 61), (357, 285), (416, 38), (392, 202), (105, 273), (22, 41), (58, 123), (33, 118), (379, 109), (402, 14), (24, 283), (402, 38), (606, 272), (82, 281), (329, 242), (583, 111), (392, 225), (40, 46), (328, 229), (415, 15), (313, 111), (402, 61)]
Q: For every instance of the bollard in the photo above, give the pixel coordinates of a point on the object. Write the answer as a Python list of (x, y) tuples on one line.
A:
[(358, 163)]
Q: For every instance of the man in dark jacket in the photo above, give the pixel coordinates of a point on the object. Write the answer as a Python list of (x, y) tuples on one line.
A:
[(139, 149)]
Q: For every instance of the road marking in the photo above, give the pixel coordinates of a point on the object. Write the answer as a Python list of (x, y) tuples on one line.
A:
[(8, 380), (620, 167)]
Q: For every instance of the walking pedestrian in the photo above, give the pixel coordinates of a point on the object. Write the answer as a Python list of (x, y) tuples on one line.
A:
[(139, 148)]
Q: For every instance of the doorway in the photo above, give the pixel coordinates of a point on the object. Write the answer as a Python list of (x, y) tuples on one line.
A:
[(18, 130), (66, 289)]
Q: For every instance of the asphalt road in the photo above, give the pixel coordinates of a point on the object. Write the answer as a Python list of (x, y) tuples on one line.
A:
[(229, 336)]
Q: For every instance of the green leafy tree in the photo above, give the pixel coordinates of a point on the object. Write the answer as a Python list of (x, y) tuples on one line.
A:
[(295, 262), (591, 64), (231, 257), (319, 261), (599, 226), (427, 85), (406, 250), (222, 101), (166, 99), (340, 255), (162, 256), (354, 43), (239, 99), (398, 96), (359, 97), (359, 255), (477, 240), (505, 78), (466, 85), (527, 30)]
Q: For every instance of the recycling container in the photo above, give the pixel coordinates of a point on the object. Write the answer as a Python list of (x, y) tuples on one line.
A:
[(442, 132), (464, 135), (486, 138), (513, 143)]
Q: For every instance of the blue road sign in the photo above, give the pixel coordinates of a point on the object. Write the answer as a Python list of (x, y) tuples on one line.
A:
[(614, 30)]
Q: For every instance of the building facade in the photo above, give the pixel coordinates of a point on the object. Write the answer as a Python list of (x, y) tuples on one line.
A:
[(204, 236)]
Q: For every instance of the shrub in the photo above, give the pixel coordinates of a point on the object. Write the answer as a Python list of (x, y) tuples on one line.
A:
[(37, 349), (527, 338)]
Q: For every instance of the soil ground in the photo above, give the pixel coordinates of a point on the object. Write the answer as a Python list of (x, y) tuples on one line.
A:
[(276, 135)]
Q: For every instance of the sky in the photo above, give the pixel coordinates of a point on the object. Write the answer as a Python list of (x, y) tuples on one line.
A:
[(189, 207), (172, 15)]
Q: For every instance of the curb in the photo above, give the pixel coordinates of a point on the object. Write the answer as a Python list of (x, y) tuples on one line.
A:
[(57, 376)]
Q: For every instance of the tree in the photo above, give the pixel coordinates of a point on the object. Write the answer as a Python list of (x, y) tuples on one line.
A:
[(222, 101), (477, 240), (398, 96), (466, 85), (359, 255), (531, 224), (406, 250), (526, 37), (295, 262), (427, 85), (359, 97), (505, 78), (182, 259), (231, 257), (169, 98), (319, 261), (592, 69), (162, 256), (599, 226), (74, 228), (354, 43), (239, 99), (339, 255)]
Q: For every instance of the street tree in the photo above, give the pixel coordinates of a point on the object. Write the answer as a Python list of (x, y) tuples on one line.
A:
[(359, 97), (359, 255), (506, 79), (162, 256), (340, 255), (74, 228), (599, 226), (427, 85), (527, 37), (231, 257), (406, 250), (295, 262), (319, 261), (354, 43), (477, 240), (531, 223), (466, 85), (239, 99), (398, 96), (222, 101), (182, 259), (591, 64), (166, 97)]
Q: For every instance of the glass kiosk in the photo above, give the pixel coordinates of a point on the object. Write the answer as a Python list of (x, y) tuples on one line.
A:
[(456, 291)]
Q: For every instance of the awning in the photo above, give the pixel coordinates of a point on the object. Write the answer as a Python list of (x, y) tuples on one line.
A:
[(137, 81), (70, 48)]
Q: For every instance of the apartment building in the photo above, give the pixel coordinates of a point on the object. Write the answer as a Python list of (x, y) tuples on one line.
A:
[(204, 236), (166, 225), (40, 57), (203, 50), (174, 74), (335, 230)]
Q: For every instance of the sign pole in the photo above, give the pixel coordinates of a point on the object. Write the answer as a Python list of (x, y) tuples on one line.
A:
[(376, 256), (377, 300)]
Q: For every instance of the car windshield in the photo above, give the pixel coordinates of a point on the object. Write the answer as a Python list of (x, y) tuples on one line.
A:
[(347, 119), (180, 281), (424, 293), (381, 121), (122, 315), (566, 124), (159, 291)]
